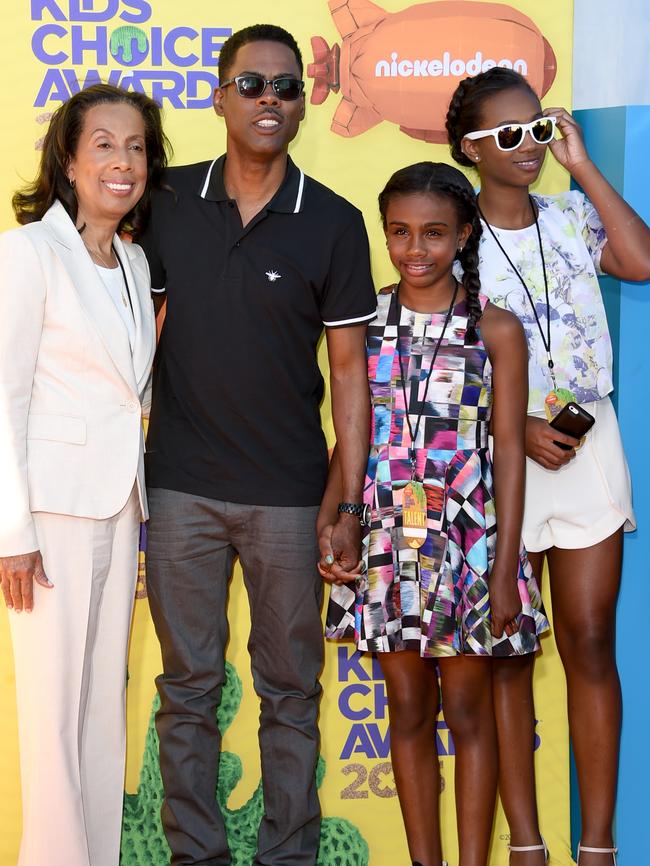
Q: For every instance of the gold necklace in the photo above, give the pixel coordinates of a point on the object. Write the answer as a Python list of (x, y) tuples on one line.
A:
[(109, 266), (94, 252)]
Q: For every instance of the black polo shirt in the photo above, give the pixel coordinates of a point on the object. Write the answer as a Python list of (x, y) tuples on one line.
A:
[(237, 386)]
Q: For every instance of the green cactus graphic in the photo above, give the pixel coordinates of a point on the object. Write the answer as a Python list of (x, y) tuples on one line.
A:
[(143, 840)]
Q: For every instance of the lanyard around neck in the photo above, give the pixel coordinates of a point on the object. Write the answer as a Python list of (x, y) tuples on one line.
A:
[(414, 434), (546, 338)]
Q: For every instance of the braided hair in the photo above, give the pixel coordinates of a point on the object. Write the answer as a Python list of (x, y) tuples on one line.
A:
[(464, 112), (445, 180)]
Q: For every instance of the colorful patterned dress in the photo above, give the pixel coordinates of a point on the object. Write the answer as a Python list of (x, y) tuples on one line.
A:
[(434, 599)]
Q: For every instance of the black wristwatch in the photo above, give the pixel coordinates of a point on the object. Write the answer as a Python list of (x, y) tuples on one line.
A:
[(361, 511)]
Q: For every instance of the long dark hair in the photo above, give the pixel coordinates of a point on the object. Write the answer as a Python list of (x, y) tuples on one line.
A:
[(60, 146), (465, 109), (447, 181)]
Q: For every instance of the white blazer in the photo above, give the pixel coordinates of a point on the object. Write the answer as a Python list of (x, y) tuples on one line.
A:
[(71, 438)]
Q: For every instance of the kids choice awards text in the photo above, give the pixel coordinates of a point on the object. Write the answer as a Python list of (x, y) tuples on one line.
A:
[(83, 42)]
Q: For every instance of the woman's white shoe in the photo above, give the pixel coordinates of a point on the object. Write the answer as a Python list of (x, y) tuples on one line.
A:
[(612, 851), (524, 848)]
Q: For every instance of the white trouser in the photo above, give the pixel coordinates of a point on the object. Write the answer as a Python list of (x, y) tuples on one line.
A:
[(70, 659)]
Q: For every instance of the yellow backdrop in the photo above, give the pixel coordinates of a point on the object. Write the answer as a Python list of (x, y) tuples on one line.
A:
[(45, 47)]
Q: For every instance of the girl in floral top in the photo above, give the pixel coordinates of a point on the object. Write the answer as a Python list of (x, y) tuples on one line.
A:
[(539, 258)]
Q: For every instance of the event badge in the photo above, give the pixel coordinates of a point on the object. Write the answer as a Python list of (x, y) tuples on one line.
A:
[(414, 514), (556, 400)]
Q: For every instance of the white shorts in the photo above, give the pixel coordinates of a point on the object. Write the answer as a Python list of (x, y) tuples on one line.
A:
[(586, 500)]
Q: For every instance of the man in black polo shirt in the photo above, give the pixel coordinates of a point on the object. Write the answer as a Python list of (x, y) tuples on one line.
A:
[(254, 258)]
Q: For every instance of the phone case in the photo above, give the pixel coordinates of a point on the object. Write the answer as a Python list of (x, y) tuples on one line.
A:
[(574, 421)]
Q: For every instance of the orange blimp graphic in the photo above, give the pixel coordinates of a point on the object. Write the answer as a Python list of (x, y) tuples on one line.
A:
[(402, 67)]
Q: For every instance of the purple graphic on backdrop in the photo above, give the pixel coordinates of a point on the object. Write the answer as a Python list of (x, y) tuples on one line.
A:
[(83, 42), (362, 700)]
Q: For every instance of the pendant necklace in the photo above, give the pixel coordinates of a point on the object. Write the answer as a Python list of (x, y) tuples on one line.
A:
[(107, 265), (98, 254), (125, 282), (556, 397), (414, 503)]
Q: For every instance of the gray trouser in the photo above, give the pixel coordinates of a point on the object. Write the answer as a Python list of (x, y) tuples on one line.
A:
[(192, 544)]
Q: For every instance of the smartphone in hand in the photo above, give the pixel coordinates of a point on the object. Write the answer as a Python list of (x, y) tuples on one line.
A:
[(574, 421)]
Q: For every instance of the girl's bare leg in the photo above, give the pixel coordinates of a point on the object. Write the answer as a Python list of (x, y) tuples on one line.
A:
[(515, 718), (413, 699), (469, 712), (584, 587)]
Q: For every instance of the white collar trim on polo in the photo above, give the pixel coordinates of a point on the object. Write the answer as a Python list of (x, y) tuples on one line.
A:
[(301, 185)]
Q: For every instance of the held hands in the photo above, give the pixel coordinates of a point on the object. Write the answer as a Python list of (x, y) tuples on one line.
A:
[(505, 602), (570, 150), (541, 447), (340, 545), (17, 574)]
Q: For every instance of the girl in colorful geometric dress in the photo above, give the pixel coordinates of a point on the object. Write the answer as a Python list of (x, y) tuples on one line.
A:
[(434, 590), (539, 256)]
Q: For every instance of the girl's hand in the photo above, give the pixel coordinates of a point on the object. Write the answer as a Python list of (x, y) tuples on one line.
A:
[(505, 603), (17, 575), (328, 567), (541, 447), (570, 150)]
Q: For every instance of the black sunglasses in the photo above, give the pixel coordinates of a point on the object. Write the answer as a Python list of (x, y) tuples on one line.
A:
[(252, 86)]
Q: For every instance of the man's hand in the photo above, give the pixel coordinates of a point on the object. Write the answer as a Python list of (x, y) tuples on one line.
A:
[(17, 575), (346, 541), (541, 447)]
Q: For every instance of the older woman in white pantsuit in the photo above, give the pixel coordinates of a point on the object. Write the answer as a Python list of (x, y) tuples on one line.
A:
[(77, 340)]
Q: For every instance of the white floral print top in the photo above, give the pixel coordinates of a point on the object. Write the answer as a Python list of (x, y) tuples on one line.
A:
[(573, 238)]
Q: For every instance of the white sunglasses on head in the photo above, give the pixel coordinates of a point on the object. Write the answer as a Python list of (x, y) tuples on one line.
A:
[(510, 135)]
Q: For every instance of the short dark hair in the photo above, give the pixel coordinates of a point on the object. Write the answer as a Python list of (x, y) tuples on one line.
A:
[(60, 146), (444, 180), (464, 113), (255, 33)]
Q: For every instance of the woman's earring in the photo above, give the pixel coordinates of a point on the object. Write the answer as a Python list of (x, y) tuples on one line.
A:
[(72, 182)]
